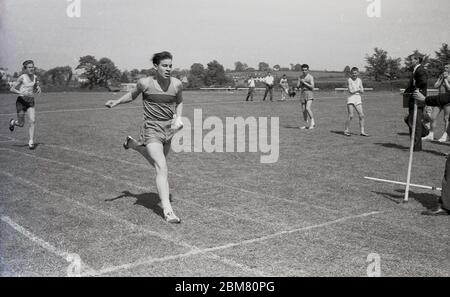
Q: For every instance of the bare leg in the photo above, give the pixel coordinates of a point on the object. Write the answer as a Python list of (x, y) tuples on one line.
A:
[(305, 113), (349, 117), (444, 136), (32, 118), (20, 119), (156, 152), (162, 183), (310, 113), (133, 144), (433, 122), (360, 111)]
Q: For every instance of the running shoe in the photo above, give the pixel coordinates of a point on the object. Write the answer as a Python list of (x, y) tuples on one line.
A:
[(11, 125), (171, 218), (126, 143), (444, 138)]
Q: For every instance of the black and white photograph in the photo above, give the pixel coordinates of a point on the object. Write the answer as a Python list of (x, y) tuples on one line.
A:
[(242, 141)]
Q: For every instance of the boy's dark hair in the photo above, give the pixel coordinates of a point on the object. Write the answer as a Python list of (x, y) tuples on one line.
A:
[(158, 57), (24, 64), (354, 69), (305, 66)]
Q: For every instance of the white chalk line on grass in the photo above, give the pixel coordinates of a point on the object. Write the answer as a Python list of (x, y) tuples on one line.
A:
[(129, 224), (42, 243), (215, 183), (116, 108), (185, 104), (134, 227), (239, 217), (230, 245)]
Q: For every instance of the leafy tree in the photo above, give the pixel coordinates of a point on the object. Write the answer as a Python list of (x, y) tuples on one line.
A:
[(41, 74), (436, 65), (134, 74), (60, 76), (90, 66), (263, 66), (107, 72), (377, 64), (240, 67), (297, 67), (102, 72), (124, 78), (443, 55), (196, 75), (215, 74), (394, 68)]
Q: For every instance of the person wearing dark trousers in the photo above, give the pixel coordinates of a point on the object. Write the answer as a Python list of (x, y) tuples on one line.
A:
[(268, 81), (444, 202), (251, 88), (418, 81)]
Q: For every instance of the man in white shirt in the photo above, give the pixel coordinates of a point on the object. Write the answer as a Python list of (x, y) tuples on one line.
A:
[(268, 81)]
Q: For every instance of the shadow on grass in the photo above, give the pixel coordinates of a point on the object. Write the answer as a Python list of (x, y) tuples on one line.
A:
[(291, 127), (429, 201), (147, 200), (342, 133), (403, 134), (338, 132), (440, 143), (26, 145), (401, 147)]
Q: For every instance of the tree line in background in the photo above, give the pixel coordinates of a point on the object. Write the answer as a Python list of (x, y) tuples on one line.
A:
[(104, 73), (382, 67)]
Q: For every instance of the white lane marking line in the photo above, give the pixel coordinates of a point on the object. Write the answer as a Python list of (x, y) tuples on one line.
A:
[(44, 244), (198, 181), (97, 211), (132, 226), (230, 245), (212, 209), (135, 107)]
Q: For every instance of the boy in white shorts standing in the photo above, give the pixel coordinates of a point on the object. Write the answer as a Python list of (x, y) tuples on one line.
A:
[(354, 101)]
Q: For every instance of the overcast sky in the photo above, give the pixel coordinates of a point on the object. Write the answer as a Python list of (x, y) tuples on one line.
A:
[(327, 34)]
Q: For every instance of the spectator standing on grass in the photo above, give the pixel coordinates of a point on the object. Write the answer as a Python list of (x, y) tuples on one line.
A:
[(284, 85), (26, 86), (306, 86), (354, 101), (443, 84), (269, 82), (163, 106), (292, 92), (251, 88), (443, 208)]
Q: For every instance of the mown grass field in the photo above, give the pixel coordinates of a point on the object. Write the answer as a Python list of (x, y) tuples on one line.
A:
[(309, 214)]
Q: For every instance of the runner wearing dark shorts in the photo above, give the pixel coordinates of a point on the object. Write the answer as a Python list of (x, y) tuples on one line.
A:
[(26, 86)]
